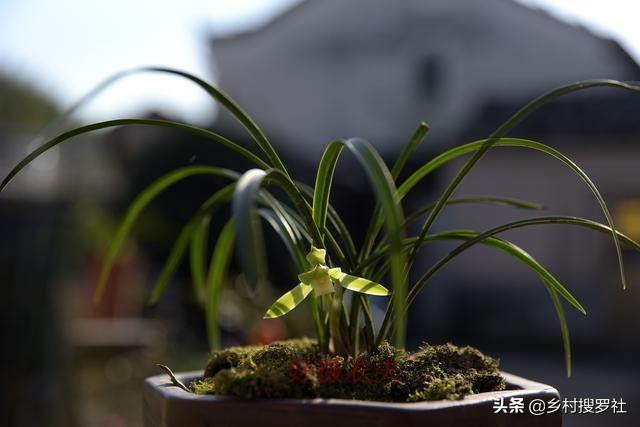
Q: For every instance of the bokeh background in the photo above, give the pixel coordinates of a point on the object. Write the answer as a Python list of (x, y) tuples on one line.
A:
[(308, 72)]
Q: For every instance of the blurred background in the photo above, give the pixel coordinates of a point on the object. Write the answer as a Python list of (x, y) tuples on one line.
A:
[(308, 72)]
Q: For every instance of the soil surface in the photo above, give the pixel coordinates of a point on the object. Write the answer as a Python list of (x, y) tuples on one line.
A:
[(297, 369)]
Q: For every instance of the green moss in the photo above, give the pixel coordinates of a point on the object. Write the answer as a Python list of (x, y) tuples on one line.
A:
[(295, 368), (229, 358)]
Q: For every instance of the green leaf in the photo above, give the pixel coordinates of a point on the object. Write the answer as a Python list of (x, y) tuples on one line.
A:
[(287, 232), (384, 187), (567, 220), (301, 205), (522, 143), (182, 242), (120, 122), (343, 234), (473, 238), (324, 178), (288, 301), (287, 235), (415, 140), (551, 283), (250, 247), (340, 227), (374, 228), (198, 251), (138, 205), (564, 328), (217, 273), (221, 97), (360, 284), (302, 226), (488, 200), (455, 234), (501, 132), (172, 263), (235, 110)]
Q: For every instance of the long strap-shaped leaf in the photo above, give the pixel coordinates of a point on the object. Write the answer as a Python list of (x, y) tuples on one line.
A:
[(338, 254), (385, 190), (449, 155), (233, 108), (472, 238), (570, 220), (479, 239), (564, 328), (286, 229), (502, 131), (513, 225), (197, 254), (120, 122), (138, 205), (482, 200), (180, 245), (412, 144), (396, 170), (217, 94), (347, 247), (324, 179), (552, 285), (217, 273), (192, 232), (250, 246)]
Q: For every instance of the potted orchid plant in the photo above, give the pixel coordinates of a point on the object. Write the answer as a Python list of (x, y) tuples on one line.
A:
[(353, 366)]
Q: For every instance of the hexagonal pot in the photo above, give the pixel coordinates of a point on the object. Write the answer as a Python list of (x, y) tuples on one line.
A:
[(168, 406)]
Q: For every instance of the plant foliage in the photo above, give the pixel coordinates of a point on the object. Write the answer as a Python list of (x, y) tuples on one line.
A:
[(337, 278)]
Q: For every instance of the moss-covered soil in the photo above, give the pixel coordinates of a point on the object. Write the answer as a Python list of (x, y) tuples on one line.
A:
[(296, 369)]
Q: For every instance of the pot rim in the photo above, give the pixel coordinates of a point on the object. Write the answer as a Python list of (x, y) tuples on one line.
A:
[(516, 387)]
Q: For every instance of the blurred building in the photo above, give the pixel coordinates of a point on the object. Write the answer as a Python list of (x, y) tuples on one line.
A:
[(46, 224), (329, 69)]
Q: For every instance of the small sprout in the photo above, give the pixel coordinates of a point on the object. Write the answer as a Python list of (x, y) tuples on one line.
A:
[(321, 280)]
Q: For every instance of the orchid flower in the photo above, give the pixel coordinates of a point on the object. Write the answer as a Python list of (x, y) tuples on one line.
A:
[(321, 279)]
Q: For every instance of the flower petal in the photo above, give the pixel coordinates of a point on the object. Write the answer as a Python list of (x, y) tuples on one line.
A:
[(360, 284), (335, 273), (306, 277), (288, 301), (316, 256)]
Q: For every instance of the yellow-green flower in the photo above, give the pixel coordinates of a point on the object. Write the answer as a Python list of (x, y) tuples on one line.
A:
[(321, 279)]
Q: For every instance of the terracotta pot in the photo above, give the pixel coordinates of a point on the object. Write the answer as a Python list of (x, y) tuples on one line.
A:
[(168, 406)]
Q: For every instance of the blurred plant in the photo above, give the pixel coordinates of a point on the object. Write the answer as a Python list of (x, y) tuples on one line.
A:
[(23, 107), (309, 221)]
